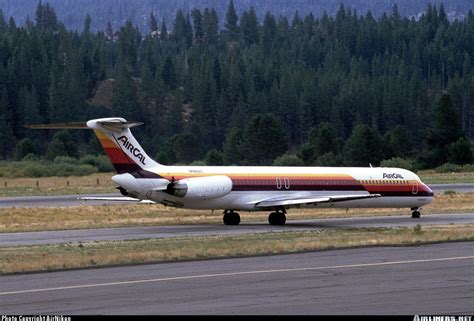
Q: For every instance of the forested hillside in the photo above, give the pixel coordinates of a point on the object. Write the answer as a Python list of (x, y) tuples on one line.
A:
[(73, 12), (349, 89)]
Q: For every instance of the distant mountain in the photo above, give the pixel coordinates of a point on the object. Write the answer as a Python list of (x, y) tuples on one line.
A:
[(73, 12)]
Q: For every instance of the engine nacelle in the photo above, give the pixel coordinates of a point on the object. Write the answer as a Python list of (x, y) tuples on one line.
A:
[(202, 187)]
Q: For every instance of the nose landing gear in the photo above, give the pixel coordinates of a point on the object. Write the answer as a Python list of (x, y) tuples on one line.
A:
[(415, 212)]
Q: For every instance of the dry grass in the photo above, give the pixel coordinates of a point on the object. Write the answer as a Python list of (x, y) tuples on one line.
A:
[(57, 185), (37, 219), (431, 177), (51, 257)]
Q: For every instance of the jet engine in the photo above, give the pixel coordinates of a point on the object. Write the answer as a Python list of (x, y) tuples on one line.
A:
[(201, 187)]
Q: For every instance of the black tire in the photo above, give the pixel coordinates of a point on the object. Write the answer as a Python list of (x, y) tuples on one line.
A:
[(231, 218), (272, 218), (277, 218), (282, 217), (415, 214)]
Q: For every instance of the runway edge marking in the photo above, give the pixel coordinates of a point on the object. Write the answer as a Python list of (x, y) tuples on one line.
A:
[(236, 274)]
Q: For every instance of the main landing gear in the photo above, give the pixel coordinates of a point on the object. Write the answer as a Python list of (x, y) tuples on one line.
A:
[(278, 217), (275, 218), (416, 213), (231, 217)]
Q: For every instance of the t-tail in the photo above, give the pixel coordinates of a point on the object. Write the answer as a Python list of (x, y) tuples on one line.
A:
[(125, 153), (123, 150)]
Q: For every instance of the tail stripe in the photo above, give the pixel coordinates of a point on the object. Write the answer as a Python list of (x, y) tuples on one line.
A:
[(121, 162)]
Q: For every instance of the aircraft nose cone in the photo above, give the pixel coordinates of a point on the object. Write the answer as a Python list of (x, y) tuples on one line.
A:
[(427, 190)]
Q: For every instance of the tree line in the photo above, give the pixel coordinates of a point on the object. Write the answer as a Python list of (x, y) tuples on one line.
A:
[(73, 13), (346, 89)]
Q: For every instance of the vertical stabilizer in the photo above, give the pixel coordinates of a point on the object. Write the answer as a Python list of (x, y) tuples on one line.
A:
[(125, 153)]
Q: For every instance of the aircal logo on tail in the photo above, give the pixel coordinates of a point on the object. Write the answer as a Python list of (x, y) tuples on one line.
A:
[(132, 149)]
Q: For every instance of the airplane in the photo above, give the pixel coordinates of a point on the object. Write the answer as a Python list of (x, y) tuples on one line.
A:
[(248, 188)]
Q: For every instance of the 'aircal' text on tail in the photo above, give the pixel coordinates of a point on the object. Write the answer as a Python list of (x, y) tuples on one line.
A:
[(133, 150)]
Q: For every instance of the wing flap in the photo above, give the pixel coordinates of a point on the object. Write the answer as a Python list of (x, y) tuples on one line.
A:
[(312, 201)]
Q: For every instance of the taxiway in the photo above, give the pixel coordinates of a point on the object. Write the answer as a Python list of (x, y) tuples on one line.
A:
[(429, 279)]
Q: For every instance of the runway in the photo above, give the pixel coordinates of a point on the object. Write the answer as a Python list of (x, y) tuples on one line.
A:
[(54, 201), (134, 233), (458, 188), (72, 200), (430, 279)]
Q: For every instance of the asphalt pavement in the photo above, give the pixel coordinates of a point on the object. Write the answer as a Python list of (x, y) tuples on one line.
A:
[(148, 232), (430, 279)]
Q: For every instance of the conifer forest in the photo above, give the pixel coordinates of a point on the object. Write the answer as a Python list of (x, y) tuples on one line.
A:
[(243, 88)]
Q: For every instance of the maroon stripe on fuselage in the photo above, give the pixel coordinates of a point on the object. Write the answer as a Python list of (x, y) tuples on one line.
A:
[(134, 170), (293, 187), (392, 190), (292, 184)]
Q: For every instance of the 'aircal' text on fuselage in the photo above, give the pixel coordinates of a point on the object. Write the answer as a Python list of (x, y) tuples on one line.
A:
[(392, 176)]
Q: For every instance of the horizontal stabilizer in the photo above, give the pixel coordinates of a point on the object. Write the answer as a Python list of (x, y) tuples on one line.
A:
[(313, 201), (115, 199), (76, 125), (116, 125)]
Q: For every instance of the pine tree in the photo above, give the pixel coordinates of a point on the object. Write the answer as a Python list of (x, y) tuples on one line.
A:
[(182, 30), (31, 107), (62, 145), (153, 22), (197, 25), (164, 31), (231, 23), (259, 132), (446, 131), (146, 92), (364, 147), (234, 147), (249, 26), (268, 33), (210, 27), (87, 24), (6, 122), (168, 73), (124, 94), (3, 23)]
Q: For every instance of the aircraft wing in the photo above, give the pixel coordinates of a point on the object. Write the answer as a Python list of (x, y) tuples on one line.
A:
[(312, 201), (115, 199)]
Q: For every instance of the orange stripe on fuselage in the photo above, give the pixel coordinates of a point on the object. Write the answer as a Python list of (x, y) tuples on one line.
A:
[(261, 176), (267, 178)]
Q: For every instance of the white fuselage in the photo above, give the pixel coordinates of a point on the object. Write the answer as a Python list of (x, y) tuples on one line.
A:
[(207, 187)]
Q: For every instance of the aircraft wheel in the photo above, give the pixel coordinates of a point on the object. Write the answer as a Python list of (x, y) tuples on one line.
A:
[(415, 214), (231, 218), (277, 218)]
